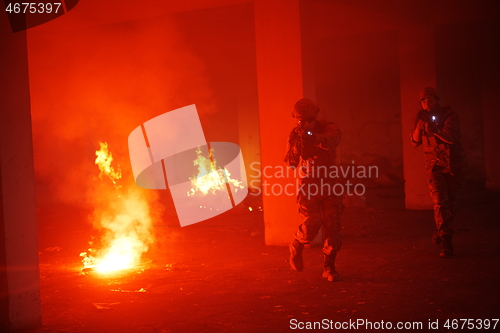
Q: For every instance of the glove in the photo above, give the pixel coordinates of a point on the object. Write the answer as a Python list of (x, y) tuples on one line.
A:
[(420, 125), (431, 128), (424, 116)]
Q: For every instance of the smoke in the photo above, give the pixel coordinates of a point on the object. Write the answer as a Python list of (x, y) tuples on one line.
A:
[(98, 84), (125, 219), (124, 215)]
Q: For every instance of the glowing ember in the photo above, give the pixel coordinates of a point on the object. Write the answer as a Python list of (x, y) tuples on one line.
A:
[(124, 216), (210, 178)]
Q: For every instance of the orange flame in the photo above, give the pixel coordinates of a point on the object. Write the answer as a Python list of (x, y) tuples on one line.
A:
[(210, 178), (103, 161), (125, 217)]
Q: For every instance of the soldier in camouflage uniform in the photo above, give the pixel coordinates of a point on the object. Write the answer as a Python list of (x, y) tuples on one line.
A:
[(311, 144), (437, 128)]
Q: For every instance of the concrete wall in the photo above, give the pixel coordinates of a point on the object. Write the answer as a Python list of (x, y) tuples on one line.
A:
[(490, 81), (468, 78), (357, 75), (20, 306), (358, 89), (458, 64), (224, 40)]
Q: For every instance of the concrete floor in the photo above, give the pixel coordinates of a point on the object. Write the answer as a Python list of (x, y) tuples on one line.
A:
[(218, 276)]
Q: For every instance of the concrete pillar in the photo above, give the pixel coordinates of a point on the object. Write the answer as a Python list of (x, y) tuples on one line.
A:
[(248, 131), (490, 79), (284, 75), (20, 306), (417, 70)]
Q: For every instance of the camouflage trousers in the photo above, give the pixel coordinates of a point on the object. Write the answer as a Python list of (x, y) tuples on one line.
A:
[(321, 211), (444, 189)]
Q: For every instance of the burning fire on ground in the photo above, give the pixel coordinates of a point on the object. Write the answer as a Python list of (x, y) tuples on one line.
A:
[(123, 215), (210, 178)]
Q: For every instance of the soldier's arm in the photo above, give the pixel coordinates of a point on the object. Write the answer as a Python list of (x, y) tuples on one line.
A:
[(450, 132), (416, 133), (292, 157), (330, 139)]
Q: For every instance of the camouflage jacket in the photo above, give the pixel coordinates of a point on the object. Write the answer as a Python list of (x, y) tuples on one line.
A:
[(319, 152), (449, 157)]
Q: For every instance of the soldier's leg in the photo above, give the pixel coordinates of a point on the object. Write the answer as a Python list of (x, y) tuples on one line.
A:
[(438, 189), (455, 185), (310, 212), (332, 207), (439, 192)]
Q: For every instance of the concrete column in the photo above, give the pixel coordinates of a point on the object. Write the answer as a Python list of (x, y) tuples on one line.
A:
[(20, 306), (284, 75), (417, 70), (248, 131), (490, 79)]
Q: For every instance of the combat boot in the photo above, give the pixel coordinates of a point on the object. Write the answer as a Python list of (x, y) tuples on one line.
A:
[(296, 261), (447, 251), (329, 268)]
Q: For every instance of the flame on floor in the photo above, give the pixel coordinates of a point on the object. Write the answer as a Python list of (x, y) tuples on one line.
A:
[(123, 216), (210, 178)]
